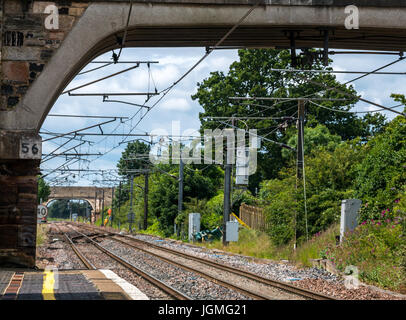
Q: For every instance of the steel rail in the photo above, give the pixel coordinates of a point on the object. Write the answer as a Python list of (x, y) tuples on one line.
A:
[(156, 282), (218, 281), (247, 274), (80, 255)]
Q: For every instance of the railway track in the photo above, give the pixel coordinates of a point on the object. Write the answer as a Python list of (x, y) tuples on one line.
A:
[(199, 266), (153, 280)]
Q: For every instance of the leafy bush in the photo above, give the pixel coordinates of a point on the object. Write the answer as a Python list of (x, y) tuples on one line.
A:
[(280, 210), (381, 174), (375, 247)]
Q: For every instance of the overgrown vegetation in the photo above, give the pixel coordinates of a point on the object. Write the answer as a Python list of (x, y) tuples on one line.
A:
[(377, 248), (42, 230)]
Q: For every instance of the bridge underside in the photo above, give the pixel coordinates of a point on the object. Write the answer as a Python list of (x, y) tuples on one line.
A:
[(261, 37)]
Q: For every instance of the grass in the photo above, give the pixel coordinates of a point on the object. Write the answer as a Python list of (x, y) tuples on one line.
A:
[(257, 244), (42, 230), (250, 243), (378, 250), (311, 249)]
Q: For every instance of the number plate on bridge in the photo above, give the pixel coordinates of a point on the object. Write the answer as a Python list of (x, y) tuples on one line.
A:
[(30, 148)]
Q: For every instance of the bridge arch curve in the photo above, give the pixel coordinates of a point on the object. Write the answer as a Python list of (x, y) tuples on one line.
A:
[(185, 23), (96, 197), (91, 202)]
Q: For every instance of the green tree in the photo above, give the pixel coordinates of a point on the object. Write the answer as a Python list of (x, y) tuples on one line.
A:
[(316, 137), (329, 171), (164, 193), (252, 76), (135, 156), (381, 174), (59, 209), (43, 190)]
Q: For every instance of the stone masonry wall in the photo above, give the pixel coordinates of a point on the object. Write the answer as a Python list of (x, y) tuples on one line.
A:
[(27, 45)]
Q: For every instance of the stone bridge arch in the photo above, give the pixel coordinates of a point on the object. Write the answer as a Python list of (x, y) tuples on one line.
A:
[(91, 203), (97, 197)]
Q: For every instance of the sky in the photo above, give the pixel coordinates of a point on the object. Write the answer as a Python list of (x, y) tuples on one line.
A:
[(176, 106)]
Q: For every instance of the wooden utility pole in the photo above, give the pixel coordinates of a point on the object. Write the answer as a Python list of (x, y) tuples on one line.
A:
[(299, 161)]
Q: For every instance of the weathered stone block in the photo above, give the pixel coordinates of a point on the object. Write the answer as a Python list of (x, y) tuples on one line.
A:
[(66, 22), (15, 70), (39, 6), (36, 67), (63, 11), (46, 54), (34, 42), (8, 236), (80, 5), (12, 101), (6, 89), (27, 22), (27, 235), (22, 89), (21, 53), (76, 11), (13, 7), (56, 36)]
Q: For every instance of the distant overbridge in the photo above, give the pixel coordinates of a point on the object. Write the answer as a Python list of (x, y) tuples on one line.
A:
[(97, 197)]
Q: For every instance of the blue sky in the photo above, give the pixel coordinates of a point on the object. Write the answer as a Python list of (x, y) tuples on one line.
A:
[(177, 105)]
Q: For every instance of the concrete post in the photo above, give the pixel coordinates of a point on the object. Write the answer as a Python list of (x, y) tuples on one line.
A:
[(349, 216), (194, 224)]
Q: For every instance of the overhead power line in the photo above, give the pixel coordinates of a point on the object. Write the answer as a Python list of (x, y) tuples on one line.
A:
[(339, 72)]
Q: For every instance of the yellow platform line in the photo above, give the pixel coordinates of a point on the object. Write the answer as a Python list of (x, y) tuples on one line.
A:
[(48, 285)]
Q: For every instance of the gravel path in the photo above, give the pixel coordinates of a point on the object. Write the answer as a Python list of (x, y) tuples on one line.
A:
[(56, 252), (339, 291)]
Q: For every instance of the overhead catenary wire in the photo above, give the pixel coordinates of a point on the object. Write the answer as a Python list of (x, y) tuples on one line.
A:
[(355, 79), (101, 79), (354, 112), (167, 90), (355, 97)]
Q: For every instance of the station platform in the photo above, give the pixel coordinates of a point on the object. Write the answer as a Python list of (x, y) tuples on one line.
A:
[(65, 285)]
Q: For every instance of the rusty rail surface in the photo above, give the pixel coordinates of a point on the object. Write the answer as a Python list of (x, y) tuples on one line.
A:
[(156, 282)]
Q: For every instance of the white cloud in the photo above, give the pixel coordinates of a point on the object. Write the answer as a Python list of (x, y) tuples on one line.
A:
[(176, 104)]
